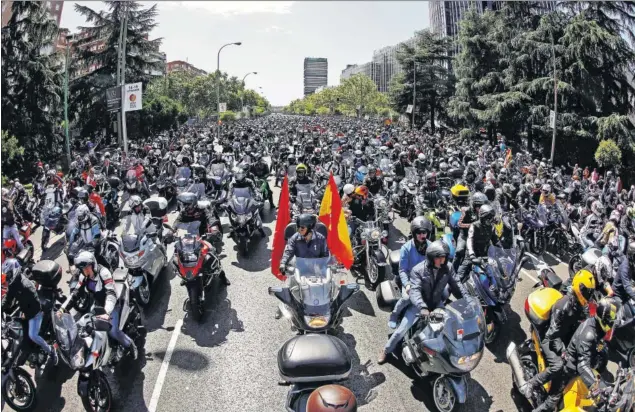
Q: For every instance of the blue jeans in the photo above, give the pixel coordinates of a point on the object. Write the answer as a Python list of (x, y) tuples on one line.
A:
[(34, 332), (116, 333), (409, 317), (402, 304), (9, 232)]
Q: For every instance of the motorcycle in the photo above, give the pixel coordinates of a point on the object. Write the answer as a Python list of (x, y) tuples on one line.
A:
[(198, 266), (371, 254), (446, 347), (306, 201), (307, 362), (533, 229), (314, 298), (165, 187), (54, 217), (244, 217)]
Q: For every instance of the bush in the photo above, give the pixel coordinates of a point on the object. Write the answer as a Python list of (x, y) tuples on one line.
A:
[(608, 153), (228, 116)]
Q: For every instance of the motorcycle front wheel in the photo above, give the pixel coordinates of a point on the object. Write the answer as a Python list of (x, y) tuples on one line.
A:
[(372, 273), (142, 293), (195, 303), (19, 391), (443, 394), (99, 396), (575, 265)]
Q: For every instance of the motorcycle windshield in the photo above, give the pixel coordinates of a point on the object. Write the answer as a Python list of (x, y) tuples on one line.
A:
[(241, 205), (183, 172), (182, 182), (505, 259), (131, 175), (189, 250), (218, 170), (304, 189), (542, 213), (314, 285), (385, 165), (70, 346), (130, 243), (190, 227), (411, 174), (49, 200), (464, 327)]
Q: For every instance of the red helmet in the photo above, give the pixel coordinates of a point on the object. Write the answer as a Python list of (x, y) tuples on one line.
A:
[(335, 398), (10, 247)]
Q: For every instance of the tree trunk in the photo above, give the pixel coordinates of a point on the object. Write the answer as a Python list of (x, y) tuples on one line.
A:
[(530, 137), (433, 127)]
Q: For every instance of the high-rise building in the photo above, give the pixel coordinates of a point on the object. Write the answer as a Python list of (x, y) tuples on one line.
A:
[(181, 66), (386, 59), (54, 7), (316, 71), (370, 69)]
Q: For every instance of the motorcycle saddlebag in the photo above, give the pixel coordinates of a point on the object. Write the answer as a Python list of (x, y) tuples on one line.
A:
[(47, 273), (158, 206), (314, 358), (388, 294)]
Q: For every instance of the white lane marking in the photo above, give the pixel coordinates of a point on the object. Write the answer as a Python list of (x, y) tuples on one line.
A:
[(526, 273), (156, 393)]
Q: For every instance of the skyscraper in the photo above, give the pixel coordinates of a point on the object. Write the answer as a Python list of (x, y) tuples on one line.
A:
[(316, 71)]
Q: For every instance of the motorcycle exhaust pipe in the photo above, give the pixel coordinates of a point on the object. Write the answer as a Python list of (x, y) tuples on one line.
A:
[(514, 362)]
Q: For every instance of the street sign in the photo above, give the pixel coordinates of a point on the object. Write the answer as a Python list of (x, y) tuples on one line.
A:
[(222, 107), (409, 109), (552, 119), (113, 99), (134, 97)]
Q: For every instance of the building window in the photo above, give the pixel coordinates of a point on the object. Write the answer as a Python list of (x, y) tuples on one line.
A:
[(57, 7)]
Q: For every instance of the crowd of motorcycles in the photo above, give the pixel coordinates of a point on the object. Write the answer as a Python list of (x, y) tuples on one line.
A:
[(539, 209)]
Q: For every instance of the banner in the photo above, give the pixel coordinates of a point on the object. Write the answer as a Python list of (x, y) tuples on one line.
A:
[(134, 97), (113, 99)]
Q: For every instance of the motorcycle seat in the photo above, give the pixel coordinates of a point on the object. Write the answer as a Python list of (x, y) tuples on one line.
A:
[(591, 256), (314, 358), (23, 255), (120, 275)]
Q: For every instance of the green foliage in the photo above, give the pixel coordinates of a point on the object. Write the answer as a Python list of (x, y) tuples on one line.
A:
[(608, 153), (357, 91), (10, 147), (228, 116)]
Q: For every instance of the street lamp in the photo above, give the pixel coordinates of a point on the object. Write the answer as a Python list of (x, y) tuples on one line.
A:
[(242, 95), (66, 63), (218, 83)]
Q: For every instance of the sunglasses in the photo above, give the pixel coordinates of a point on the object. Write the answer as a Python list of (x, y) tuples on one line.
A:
[(302, 227)]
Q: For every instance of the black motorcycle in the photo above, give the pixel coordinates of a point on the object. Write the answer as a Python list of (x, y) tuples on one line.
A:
[(243, 211)]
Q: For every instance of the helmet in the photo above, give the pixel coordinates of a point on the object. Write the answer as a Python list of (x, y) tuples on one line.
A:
[(301, 170), (490, 192), (529, 187), (503, 171), (403, 155), (421, 157), (239, 174), (605, 314), (349, 188), (361, 173), (362, 191), (85, 258), (620, 209), (185, 160), (443, 166), (631, 212), (543, 164), (597, 208), (135, 203), (546, 188), (603, 268), (421, 224), (583, 285), (486, 214), (383, 149), (10, 274), (83, 213), (437, 249), (615, 216), (10, 247), (306, 220), (358, 153), (478, 199), (331, 398)]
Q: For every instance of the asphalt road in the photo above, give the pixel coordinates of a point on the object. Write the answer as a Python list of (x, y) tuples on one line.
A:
[(228, 362)]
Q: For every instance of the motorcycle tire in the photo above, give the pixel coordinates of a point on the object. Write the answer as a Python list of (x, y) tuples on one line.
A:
[(537, 249), (243, 246), (575, 265), (142, 294), (195, 307), (102, 389), (490, 337), (373, 275), (24, 382), (443, 394)]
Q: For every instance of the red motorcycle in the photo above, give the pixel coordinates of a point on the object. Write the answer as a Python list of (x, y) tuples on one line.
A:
[(25, 257), (197, 265)]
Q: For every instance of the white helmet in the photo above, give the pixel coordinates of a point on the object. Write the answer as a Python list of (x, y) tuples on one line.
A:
[(349, 189), (597, 208), (83, 213), (421, 157), (84, 259)]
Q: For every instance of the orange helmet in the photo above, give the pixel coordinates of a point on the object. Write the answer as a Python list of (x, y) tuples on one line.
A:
[(362, 191)]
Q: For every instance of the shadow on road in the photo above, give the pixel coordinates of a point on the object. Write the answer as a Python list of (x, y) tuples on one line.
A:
[(218, 320), (361, 381), (154, 314), (269, 215), (511, 331), (478, 400), (127, 383), (359, 303), (258, 258), (49, 388), (55, 250), (187, 359)]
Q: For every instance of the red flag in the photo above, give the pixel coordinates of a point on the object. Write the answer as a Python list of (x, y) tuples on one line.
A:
[(332, 215), (283, 219)]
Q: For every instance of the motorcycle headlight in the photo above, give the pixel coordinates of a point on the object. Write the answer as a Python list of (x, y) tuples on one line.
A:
[(317, 322), (466, 363), (242, 219), (132, 259), (374, 235), (383, 203)]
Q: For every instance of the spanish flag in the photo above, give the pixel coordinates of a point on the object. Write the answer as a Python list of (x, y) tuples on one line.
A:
[(332, 215), (508, 157), (283, 219)]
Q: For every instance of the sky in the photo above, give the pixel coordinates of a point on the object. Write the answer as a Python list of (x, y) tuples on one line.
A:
[(276, 36)]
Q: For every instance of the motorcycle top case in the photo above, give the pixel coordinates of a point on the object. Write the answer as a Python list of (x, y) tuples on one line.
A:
[(158, 206), (47, 273), (388, 294), (114, 182), (314, 358), (539, 304)]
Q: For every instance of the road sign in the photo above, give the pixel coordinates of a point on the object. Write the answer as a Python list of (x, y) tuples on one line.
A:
[(113, 99), (222, 107), (409, 109), (552, 119), (134, 97)]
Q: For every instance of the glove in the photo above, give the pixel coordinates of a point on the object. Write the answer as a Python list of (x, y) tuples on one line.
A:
[(424, 313), (282, 268)]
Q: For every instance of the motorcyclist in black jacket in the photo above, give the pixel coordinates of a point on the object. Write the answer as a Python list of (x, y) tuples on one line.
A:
[(302, 177), (566, 315), (469, 215), (400, 165), (582, 354), (22, 290), (623, 285), (480, 236), (260, 169), (374, 182)]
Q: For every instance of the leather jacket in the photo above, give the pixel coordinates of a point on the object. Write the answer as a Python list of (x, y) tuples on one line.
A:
[(428, 285)]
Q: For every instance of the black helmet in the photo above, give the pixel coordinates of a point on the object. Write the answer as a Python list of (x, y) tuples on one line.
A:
[(486, 214), (421, 224), (306, 220), (403, 155), (490, 192), (478, 200), (437, 249), (605, 314)]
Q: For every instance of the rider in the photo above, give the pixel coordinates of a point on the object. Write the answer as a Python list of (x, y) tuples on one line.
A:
[(136, 216), (411, 254), (373, 181), (469, 215), (400, 166), (581, 352), (360, 207), (305, 243), (566, 315), (87, 228), (98, 280), (301, 178), (260, 169), (592, 224), (241, 181), (10, 219), (480, 235), (429, 280), (610, 232)]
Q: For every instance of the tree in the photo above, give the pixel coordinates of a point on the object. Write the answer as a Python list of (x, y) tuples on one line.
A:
[(228, 116), (427, 64), (31, 80), (608, 153), (88, 91)]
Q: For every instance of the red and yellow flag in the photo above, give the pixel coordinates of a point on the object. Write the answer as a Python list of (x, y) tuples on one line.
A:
[(508, 157), (332, 215), (283, 219)]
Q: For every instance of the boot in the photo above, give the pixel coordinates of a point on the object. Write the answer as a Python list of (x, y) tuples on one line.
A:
[(52, 359), (381, 359), (134, 352), (223, 278)]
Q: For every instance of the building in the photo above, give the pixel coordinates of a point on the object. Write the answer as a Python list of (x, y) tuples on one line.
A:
[(316, 71), (386, 59), (55, 8), (181, 66), (322, 88), (446, 15), (370, 69), (161, 58)]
